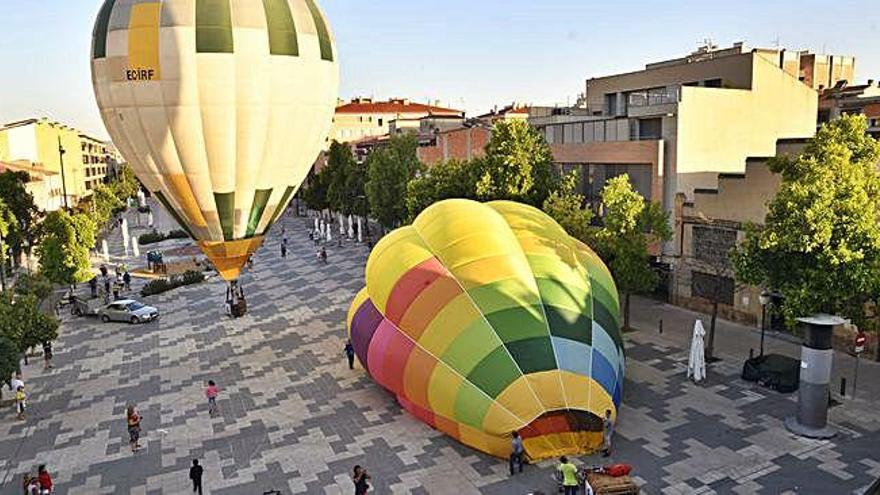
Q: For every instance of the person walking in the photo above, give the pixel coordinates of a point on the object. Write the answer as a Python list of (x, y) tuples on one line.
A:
[(516, 453), (211, 393), (47, 354), (284, 250), (349, 353), (126, 280), (570, 484), (133, 421), (607, 432), (20, 401), (195, 474), (30, 485), (324, 255), (44, 480), (360, 479), (16, 382)]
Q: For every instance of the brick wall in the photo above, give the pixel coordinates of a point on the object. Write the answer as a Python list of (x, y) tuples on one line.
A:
[(459, 144)]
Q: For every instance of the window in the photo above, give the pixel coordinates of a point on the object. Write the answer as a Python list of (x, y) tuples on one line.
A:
[(650, 128), (709, 287), (712, 83), (713, 245), (380, 121), (85, 160), (611, 104)]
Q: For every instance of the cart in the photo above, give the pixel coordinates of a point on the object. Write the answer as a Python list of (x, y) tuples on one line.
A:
[(86, 307)]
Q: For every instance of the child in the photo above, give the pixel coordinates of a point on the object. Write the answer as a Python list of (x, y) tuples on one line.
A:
[(20, 401), (211, 393)]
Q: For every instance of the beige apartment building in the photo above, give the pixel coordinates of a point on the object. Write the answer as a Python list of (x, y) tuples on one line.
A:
[(47, 145), (677, 124), (363, 118), (43, 185)]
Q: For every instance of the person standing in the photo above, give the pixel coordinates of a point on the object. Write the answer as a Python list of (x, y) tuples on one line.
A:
[(47, 354), (360, 479), (20, 401), (133, 421), (607, 432), (284, 250), (211, 393), (570, 482), (195, 474), (16, 382), (517, 452), (324, 255), (44, 480), (126, 279), (349, 353)]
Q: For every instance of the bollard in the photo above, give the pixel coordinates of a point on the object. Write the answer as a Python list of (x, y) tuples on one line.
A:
[(843, 386), (661, 327), (751, 353)]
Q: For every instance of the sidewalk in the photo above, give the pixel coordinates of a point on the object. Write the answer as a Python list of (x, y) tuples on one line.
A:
[(733, 341)]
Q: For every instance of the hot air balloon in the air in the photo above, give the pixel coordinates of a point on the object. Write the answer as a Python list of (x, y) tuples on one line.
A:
[(485, 319), (220, 107)]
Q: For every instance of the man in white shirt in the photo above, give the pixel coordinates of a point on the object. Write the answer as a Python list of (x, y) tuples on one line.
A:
[(16, 382)]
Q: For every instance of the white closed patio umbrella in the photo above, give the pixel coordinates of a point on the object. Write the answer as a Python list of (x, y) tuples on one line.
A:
[(350, 227), (697, 359)]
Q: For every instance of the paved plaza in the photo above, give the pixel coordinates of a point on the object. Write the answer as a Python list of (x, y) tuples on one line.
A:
[(294, 418)]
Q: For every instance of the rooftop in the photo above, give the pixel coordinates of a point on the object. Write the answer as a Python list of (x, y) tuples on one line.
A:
[(394, 105)]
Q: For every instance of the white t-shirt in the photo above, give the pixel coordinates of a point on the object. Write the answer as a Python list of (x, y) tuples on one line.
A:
[(16, 383)]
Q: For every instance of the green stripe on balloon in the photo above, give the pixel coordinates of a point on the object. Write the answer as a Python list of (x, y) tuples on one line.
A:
[(261, 198), (323, 32), (214, 27), (226, 211), (99, 50), (282, 205), (495, 372), (281, 27)]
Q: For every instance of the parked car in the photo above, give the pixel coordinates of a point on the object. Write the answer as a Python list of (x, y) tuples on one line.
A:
[(128, 310)]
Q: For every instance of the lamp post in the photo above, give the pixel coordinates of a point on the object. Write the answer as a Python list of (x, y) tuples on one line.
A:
[(764, 298), (61, 152), (27, 255)]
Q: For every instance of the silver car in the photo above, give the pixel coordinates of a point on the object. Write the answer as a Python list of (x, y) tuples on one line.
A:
[(128, 310)]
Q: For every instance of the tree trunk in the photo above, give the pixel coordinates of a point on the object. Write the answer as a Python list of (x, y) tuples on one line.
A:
[(626, 311), (710, 343)]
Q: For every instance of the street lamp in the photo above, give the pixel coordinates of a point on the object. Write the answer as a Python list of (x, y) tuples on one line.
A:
[(764, 298), (27, 255)]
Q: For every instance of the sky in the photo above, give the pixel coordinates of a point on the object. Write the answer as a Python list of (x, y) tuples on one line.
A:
[(468, 54)]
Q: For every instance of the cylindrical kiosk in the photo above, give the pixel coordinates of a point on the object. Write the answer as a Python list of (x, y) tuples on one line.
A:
[(815, 378)]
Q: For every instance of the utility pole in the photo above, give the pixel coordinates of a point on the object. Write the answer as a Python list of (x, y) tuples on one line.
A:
[(63, 178)]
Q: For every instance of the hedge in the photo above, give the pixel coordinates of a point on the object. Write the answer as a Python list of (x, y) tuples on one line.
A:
[(155, 236), (161, 285)]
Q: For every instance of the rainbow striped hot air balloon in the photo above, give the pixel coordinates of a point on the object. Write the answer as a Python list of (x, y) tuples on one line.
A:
[(485, 319), (219, 106)]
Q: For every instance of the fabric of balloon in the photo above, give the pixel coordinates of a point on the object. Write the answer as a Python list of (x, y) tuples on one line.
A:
[(485, 319), (220, 107)]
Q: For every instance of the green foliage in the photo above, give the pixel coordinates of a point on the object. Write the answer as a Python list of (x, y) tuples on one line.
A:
[(631, 224), (155, 236), (33, 284), (64, 250), (340, 163), (161, 285), (9, 358), (104, 204), (518, 165), (7, 223), (567, 207), (21, 204), (314, 194), (389, 170), (125, 185), (22, 322), (445, 180), (820, 243)]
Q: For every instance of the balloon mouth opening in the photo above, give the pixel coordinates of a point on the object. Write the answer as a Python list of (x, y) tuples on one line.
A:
[(565, 432)]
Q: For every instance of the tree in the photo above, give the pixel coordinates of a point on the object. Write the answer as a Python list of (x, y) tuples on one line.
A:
[(7, 224), (568, 208), (445, 180), (631, 224), (314, 194), (21, 204), (104, 204), (22, 322), (340, 163), (126, 184), (33, 284), (389, 170), (9, 360), (820, 243), (518, 165), (64, 251)]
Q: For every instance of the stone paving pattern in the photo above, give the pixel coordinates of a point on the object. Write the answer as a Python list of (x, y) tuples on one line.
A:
[(294, 418)]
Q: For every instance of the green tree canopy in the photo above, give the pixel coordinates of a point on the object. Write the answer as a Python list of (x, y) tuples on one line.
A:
[(22, 322), (125, 185), (820, 243), (518, 165), (340, 164), (631, 225), (389, 170), (569, 209), (21, 204), (64, 251), (105, 203), (444, 180), (9, 359)]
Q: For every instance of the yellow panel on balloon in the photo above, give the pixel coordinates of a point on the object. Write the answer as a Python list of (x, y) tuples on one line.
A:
[(396, 254), (143, 42)]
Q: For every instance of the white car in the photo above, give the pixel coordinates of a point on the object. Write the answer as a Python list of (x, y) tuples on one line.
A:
[(128, 310)]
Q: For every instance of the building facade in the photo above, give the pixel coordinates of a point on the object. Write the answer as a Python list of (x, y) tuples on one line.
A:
[(852, 99), (678, 124), (43, 185), (363, 118), (464, 143), (80, 160)]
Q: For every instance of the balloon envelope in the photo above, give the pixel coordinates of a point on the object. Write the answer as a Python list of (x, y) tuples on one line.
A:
[(485, 319), (219, 106)]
